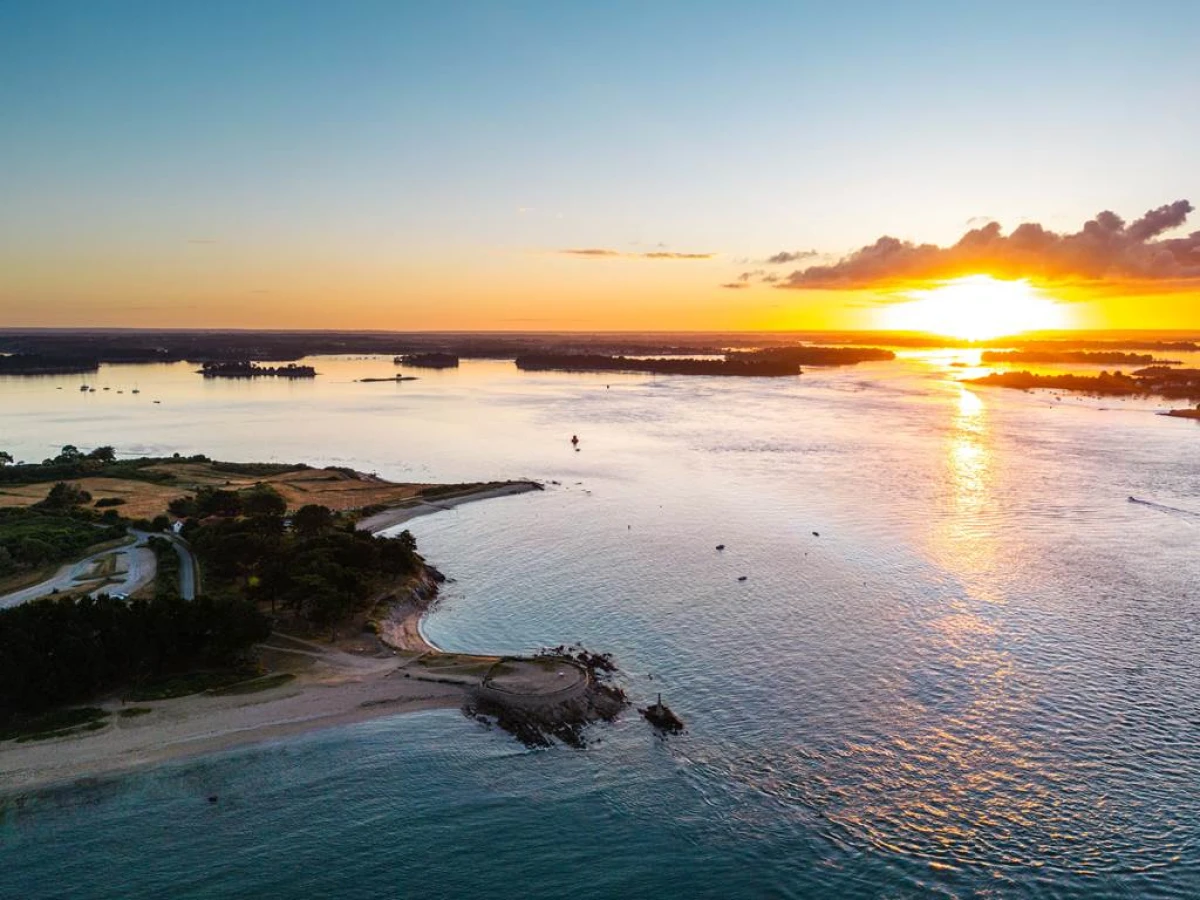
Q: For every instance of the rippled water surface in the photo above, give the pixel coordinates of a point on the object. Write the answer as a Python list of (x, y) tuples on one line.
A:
[(962, 664)]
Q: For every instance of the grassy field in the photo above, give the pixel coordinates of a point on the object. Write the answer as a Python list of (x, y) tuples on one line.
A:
[(145, 499)]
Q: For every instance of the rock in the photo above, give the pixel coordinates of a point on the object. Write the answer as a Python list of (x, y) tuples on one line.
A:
[(743, 577), (720, 546), (661, 717)]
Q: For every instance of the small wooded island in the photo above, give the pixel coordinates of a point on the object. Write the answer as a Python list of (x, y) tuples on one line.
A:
[(265, 578), (243, 369), (1183, 384), (428, 360)]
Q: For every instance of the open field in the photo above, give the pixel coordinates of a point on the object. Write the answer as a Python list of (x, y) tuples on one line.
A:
[(143, 499)]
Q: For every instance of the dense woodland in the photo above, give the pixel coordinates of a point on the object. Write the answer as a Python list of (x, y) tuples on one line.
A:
[(57, 651), (313, 567)]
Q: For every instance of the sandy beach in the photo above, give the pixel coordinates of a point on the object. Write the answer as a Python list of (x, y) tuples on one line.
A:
[(338, 688), (390, 518)]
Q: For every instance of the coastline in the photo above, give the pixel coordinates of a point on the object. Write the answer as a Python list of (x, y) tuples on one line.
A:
[(331, 687), (202, 724), (398, 515)]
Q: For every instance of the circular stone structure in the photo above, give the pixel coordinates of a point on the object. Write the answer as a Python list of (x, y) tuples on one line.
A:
[(540, 679)]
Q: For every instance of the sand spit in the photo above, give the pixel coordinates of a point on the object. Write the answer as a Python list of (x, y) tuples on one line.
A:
[(398, 671), (398, 515)]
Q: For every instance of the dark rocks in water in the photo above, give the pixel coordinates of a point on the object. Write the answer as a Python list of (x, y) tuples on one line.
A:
[(537, 722), (212, 799), (743, 577), (816, 534), (720, 546), (661, 717)]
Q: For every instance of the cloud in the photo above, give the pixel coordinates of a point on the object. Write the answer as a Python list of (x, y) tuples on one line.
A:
[(787, 256), (605, 253), (736, 285), (1104, 250)]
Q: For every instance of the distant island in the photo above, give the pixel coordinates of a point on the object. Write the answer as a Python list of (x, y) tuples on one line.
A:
[(428, 360), (263, 578), (46, 364), (808, 355), (1103, 358), (1161, 381), (570, 362), (254, 370)]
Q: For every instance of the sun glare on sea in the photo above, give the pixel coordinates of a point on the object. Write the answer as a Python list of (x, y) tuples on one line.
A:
[(976, 308)]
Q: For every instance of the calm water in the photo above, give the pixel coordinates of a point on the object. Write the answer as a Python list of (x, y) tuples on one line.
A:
[(979, 680)]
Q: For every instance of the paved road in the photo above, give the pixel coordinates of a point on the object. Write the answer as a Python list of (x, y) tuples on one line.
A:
[(188, 568), (135, 568)]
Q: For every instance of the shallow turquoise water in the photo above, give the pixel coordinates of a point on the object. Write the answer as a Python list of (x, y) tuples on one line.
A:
[(980, 679)]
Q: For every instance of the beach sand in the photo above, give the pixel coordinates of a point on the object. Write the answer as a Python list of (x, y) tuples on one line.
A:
[(390, 518), (334, 688)]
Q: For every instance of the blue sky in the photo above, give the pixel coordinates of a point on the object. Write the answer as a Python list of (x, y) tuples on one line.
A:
[(373, 145)]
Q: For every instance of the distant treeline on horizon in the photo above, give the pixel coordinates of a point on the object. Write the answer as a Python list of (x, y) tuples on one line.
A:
[(33, 351)]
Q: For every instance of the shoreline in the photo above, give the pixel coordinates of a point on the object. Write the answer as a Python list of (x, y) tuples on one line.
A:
[(331, 688), (398, 515)]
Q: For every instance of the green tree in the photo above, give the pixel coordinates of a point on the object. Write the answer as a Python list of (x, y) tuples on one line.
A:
[(64, 496), (263, 500), (5, 458), (312, 519), (69, 454), (104, 454)]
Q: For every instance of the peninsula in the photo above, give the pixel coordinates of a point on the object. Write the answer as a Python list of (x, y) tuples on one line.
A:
[(308, 616)]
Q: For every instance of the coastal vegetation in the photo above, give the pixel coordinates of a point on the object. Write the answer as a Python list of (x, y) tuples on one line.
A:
[(46, 364), (1155, 380), (1085, 357), (316, 573), (244, 369), (52, 531), (808, 355), (58, 651), (71, 463), (428, 360)]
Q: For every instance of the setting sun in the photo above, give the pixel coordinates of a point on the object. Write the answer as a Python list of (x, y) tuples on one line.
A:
[(977, 307)]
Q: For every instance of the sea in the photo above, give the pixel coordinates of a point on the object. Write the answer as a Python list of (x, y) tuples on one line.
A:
[(950, 648)]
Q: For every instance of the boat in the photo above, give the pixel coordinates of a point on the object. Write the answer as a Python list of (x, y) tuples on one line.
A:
[(84, 388)]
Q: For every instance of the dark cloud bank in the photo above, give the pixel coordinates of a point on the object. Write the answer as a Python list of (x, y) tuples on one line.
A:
[(1106, 249)]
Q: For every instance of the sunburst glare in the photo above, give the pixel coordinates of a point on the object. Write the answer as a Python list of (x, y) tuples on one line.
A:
[(977, 307)]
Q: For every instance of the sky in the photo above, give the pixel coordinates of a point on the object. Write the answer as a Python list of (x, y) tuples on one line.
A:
[(570, 166)]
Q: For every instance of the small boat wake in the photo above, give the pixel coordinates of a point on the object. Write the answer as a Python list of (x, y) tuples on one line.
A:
[(1186, 514)]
